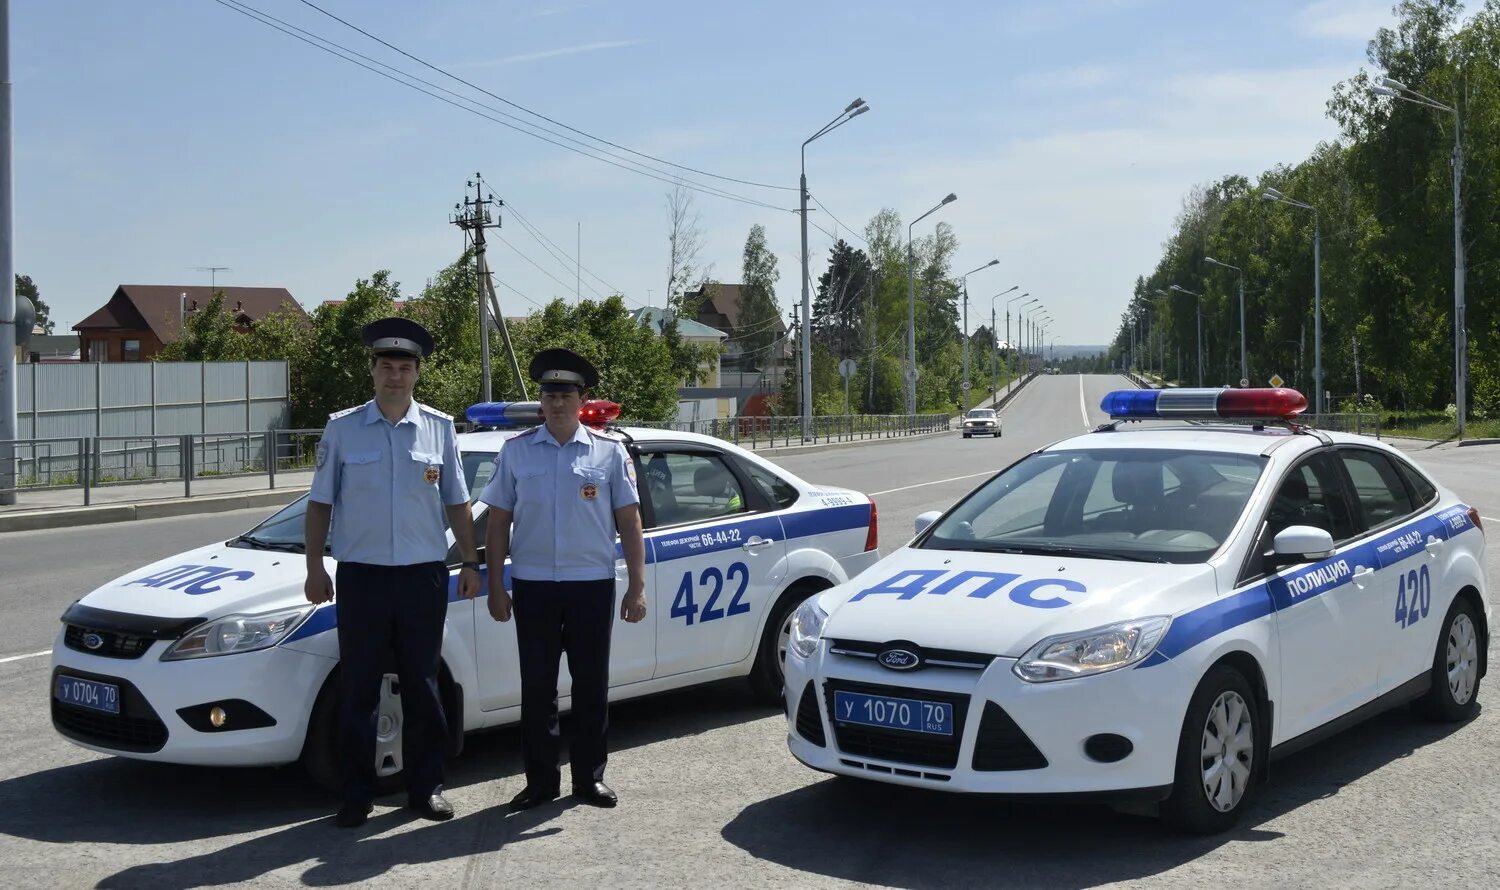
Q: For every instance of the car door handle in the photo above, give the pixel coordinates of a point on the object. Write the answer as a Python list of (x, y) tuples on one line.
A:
[(1435, 546), (754, 544), (1361, 575)]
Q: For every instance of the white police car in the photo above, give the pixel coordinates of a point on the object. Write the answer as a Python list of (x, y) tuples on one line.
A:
[(214, 656), (1148, 614), (981, 422)]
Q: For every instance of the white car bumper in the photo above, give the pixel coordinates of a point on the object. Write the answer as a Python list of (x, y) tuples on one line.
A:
[(1034, 736), (275, 686)]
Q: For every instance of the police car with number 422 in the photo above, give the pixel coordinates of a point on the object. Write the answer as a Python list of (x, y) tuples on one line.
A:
[(1149, 615), (215, 657)]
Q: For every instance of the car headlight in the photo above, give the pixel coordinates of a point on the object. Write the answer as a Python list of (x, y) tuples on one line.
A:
[(807, 628), (1092, 651), (237, 633)]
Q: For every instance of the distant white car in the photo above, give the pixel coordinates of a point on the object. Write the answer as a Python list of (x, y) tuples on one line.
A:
[(1148, 615), (982, 422), (215, 657)]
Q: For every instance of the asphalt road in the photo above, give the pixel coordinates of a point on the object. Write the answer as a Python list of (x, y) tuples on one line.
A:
[(708, 793)]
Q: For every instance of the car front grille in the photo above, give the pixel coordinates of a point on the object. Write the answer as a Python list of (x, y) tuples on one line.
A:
[(112, 644), (899, 746), (946, 658), (137, 728), (809, 724), (1002, 745)]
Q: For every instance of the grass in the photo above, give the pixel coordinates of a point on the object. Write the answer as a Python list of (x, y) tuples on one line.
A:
[(1435, 425)]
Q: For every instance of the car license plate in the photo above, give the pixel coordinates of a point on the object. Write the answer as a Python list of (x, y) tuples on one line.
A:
[(907, 714), (89, 694)]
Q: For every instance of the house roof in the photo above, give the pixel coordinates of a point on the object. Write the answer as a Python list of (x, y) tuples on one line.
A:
[(723, 309), (158, 307), (654, 318)]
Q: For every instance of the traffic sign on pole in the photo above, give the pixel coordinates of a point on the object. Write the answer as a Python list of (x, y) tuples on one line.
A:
[(1276, 380)]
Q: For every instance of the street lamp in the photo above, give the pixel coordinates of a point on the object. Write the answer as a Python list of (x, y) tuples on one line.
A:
[(911, 308), (1271, 194), (995, 344), (1398, 90), (1183, 290), (851, 111), (1008, 373), (1244, 366), (965, 279), (1024, 329)]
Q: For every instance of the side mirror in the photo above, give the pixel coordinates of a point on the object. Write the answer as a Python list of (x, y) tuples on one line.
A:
[(1300, 543), (926, 519)]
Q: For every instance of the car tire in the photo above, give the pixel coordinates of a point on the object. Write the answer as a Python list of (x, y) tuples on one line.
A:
[(966, 435), (767, 676), (323, 750), (1223, 712), (1454, 694)]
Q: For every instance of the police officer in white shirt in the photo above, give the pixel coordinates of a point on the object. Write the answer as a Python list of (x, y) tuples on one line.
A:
[(387, 472), (559, 496)]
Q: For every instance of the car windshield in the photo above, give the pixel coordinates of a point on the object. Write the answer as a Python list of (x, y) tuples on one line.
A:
[(284, 530), (1145, 505), (982, 413)]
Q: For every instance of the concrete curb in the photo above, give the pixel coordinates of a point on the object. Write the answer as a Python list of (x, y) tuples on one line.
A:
[(1478, 442), (65, 517)]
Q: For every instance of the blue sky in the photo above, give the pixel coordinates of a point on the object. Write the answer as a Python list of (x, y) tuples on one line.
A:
[(152, 138)]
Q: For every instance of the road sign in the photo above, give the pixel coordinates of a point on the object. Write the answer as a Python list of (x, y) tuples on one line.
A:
[(848, 368), (1276, 380), (968, 386), (911, 375), (1244, 382)]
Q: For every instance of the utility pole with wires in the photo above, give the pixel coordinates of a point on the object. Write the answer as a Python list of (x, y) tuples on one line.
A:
[(473, 216)]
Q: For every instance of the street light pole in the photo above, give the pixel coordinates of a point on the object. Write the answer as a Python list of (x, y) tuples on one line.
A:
[(1183, 290), (853, 110), (1271, 194), (965, 279), (1398, 90), (1008, 373), (911, 308), (1244, 366), (995, 345)]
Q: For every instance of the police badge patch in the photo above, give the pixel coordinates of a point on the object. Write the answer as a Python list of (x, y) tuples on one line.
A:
[(432, 474), (589, 491), (322, 454)]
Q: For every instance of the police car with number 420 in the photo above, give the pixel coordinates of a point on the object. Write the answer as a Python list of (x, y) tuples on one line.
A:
[(1149, 615), (215, 657)]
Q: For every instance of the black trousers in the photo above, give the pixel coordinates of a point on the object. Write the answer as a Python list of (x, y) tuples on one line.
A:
[(392, 617), (553, 617)]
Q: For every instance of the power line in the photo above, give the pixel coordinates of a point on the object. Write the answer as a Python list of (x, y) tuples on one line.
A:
[(539, 114), (825, 209), (567, 259), (533, 262), (349, 55)]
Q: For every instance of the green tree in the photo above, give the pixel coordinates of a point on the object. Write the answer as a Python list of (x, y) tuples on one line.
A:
[(27, 288), (758, 307), (337, 373), (208, 335), (845, 293)]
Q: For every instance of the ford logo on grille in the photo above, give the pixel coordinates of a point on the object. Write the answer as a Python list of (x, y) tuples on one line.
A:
[(899, 659), (93, 640)]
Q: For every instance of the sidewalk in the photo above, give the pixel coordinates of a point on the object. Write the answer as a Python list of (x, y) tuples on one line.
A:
[(125, 502)]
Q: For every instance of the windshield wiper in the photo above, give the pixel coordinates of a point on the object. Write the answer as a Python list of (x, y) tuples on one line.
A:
[(1060, 550), (263, 544)]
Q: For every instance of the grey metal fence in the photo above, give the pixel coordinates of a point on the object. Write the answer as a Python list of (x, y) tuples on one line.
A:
[(1359, 424), (757, 432)]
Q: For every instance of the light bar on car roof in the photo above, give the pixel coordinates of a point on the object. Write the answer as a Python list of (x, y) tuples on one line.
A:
[(515, 415), (1203, 404)]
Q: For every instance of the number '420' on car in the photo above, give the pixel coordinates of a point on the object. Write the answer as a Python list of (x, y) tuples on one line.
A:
[(1149, 615)]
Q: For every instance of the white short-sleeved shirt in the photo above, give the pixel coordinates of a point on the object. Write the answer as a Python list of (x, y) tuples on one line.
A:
[(562, 497), (388, 484)]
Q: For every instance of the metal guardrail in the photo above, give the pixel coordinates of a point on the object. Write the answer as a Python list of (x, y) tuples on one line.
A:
[(94, 462), (1359, 424)]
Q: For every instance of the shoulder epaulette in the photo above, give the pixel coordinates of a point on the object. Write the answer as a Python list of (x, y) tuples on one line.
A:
[(337, 414), (434, 412), (603, 434)]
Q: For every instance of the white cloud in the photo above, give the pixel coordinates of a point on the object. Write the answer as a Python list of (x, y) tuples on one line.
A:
[(551, 53), (1344, 19)]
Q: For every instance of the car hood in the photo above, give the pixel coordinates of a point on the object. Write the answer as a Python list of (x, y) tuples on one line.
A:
[(206, 583), (1002, 604)]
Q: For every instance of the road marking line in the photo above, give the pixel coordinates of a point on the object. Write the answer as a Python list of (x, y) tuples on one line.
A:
[(1082, 404), (1489, 519), (936, 482), (19, 657)]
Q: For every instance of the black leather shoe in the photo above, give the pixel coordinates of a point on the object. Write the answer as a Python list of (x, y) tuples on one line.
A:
[(532, 796), (596, 794), (353, 815), (435, 807)]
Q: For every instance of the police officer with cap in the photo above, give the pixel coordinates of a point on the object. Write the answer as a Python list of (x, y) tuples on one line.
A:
[(387, 473), (560, 495)]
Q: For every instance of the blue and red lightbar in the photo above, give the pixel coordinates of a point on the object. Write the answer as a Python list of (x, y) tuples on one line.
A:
[(1203, 404), (515, 415)]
